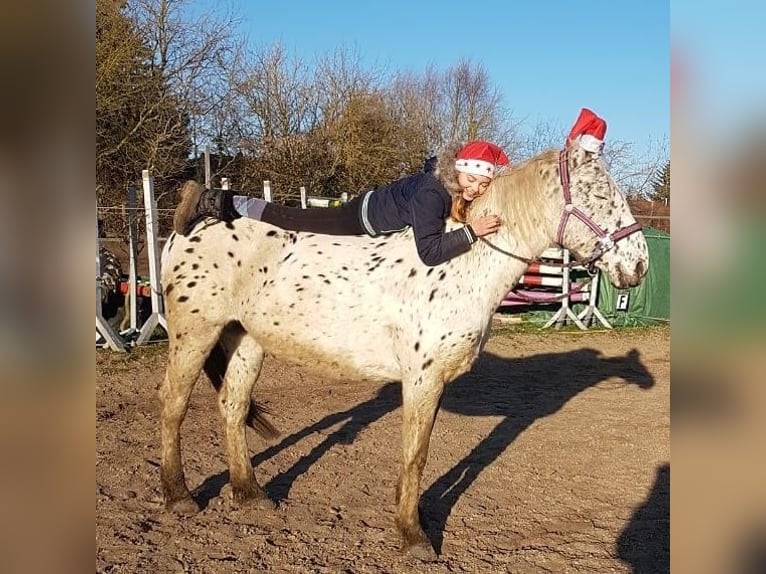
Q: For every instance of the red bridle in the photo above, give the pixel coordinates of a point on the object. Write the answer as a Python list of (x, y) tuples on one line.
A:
[(606, 240)]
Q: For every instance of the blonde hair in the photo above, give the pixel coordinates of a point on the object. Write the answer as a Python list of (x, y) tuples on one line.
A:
[(446, 173), (460, 207)]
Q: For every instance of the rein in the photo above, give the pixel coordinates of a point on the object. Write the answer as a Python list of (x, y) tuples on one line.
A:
[(543, 298), (606, 241), (527, 260)]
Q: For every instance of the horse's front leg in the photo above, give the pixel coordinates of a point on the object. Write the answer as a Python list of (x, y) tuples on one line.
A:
[(420, 400)]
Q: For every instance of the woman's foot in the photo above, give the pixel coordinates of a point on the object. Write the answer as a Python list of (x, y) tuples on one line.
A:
[(198, 202)]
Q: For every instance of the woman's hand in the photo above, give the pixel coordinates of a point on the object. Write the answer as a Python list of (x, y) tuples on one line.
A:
[(485, 225)]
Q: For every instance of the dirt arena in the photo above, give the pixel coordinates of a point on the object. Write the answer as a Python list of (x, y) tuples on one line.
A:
[(552, 455)]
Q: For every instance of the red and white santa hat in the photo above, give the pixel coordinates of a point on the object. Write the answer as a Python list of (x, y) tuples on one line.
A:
[(589, 131), (481, 158)]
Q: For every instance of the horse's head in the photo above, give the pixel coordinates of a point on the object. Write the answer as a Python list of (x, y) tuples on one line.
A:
[(597, 225), (569, 198)]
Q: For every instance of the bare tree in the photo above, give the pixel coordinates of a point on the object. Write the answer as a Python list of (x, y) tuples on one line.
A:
[(276, 91), (339, 77), (634, 172), (280, 137), (192, 55), (474, 105), (541, 136), (418, 101), (169, 83)]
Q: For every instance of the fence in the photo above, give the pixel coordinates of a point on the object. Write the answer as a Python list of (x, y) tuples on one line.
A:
[(654, 214), (135, 233)]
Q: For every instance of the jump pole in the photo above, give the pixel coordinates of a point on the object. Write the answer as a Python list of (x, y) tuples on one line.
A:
[(591, 311), (565, 311)]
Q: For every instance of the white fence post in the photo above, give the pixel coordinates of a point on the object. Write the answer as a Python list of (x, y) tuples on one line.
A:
[(132, 294), (303, 197), (158, 315), (208, 175), (267, 190)]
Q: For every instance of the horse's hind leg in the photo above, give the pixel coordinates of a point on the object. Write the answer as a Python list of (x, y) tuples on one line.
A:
[(245, 360), (186, 356)]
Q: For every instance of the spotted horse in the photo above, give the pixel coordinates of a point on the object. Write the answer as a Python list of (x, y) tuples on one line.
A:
[(368, 309)]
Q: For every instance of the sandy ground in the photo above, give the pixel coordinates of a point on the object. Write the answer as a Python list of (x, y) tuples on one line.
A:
[(552, 455)]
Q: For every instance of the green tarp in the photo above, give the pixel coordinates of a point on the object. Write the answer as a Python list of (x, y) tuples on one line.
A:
[(649, 302)]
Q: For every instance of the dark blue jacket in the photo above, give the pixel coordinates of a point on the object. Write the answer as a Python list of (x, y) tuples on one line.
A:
[(422, 202)]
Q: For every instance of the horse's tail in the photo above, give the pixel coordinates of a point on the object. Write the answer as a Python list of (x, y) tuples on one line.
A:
[(257, 421), (215, 368)]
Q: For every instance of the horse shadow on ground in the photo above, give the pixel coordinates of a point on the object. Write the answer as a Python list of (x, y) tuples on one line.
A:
[(521, 390), (644, 544)]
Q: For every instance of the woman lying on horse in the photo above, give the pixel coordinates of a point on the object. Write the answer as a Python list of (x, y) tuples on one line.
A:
[(422, 201)]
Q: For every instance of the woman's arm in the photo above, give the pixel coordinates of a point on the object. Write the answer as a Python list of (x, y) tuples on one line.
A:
[(429, 210)]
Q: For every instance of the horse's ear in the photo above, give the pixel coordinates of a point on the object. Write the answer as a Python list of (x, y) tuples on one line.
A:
[(579, 156)]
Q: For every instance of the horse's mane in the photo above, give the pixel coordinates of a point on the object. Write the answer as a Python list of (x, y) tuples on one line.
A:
[(517, 196)]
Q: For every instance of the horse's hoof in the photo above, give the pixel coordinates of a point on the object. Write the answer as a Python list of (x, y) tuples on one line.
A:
[(423, 552), (257, 500), (183, 506), (264, 503)]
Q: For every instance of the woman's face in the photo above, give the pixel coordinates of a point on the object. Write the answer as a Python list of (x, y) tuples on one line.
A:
[(472, 185)]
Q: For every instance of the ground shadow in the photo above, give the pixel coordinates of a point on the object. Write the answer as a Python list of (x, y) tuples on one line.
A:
[(550, 381), (645, 542), (751, 552), (493, 387), (388, 399), (355, 419)]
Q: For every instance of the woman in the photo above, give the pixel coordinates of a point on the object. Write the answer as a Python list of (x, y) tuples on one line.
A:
[(422, 201)]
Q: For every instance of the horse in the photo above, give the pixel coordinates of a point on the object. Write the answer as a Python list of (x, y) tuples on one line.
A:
[(367, 308)]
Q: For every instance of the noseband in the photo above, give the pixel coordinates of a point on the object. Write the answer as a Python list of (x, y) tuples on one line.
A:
[(606, 241)]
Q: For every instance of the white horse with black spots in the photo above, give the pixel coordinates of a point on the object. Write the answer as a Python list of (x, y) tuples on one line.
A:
[(368, 308)]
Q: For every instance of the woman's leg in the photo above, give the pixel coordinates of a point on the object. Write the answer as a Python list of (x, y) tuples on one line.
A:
[(198, 202), (250, 207), (343, 220)]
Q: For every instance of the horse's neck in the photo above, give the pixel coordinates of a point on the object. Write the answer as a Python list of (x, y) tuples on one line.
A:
[(525, 233), (497, 272)]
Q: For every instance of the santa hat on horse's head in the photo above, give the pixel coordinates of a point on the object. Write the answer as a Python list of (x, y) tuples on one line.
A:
[(481, 158), (589, 131)]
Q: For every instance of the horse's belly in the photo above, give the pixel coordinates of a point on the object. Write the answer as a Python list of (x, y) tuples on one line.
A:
[(329, 332), (322, 354)]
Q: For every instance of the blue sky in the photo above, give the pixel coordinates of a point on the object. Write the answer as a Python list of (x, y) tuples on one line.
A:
[(722, 53), (548, 59)]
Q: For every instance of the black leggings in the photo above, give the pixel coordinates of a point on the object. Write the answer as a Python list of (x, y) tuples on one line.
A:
[(343, 220)]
